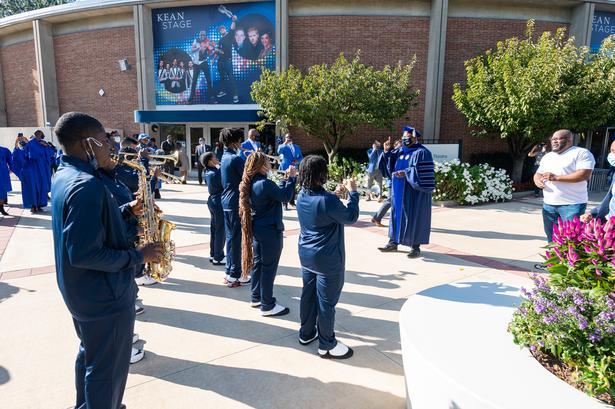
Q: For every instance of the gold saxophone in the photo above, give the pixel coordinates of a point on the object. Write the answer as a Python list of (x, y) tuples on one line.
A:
[(155, 228)]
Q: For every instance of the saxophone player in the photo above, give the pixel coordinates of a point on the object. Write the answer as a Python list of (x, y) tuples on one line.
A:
[(94, 262)]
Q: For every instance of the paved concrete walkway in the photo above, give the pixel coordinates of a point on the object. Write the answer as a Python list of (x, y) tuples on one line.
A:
[(205, 347)]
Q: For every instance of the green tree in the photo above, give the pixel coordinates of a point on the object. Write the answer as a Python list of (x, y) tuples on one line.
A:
[(10, 7), (330, 102), (525, 89)]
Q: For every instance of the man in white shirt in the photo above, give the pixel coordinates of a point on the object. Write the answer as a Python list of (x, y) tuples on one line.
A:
[(562, 175)]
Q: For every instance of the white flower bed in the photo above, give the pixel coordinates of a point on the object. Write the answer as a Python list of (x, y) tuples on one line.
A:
[(472, 185)]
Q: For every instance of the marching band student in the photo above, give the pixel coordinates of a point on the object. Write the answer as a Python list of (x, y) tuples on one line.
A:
[(129, 208), (210, 163), (260, 210), (6, 166), (322, 217), (94, 262), (232, 172)]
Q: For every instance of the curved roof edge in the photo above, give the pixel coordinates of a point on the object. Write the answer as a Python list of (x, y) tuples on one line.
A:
[(69, 8)]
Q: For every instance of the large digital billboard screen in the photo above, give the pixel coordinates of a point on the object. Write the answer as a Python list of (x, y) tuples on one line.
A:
[(212, 54)]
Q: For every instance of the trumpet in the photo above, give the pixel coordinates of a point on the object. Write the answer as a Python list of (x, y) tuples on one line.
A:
[(161, 158), (277, 159)]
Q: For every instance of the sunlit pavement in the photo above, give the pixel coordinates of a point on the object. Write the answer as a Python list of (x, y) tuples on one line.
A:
[(206, 348)]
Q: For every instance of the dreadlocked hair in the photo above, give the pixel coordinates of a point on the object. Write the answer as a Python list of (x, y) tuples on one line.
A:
[(254, 164), (313, 172)]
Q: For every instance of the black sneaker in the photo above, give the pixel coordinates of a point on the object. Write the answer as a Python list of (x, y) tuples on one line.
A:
[(139, 310), (540, 267), (415, 253), (388, 248)]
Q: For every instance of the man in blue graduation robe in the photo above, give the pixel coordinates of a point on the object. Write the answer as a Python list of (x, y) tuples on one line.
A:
[(94, 263), (411, 170), (6, 166)]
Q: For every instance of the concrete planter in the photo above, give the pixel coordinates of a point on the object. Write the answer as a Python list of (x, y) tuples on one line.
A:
[(458, 354)]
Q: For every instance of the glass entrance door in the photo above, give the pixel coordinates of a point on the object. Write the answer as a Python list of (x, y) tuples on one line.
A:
[(196, 133)]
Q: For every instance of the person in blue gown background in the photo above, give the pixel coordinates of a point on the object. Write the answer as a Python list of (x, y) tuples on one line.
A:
[(94, 263), (6, 167), (291, 156), (33, 191), (260, 210), (322, 217), (213, 180), (411, 170)]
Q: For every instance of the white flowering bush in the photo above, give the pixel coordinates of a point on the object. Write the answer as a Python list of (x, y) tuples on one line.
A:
[(471, 185)]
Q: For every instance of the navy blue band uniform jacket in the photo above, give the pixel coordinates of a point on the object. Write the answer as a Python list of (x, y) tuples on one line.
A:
[(266, 198), (231, 171), (95, 261), (322, 216)]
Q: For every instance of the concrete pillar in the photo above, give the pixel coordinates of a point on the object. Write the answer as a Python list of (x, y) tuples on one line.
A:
[(283, 30), (435, 68), (3, 118), (581, 23), (144, 44), (46, 70)]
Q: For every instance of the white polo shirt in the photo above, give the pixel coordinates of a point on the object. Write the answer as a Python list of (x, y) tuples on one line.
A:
[(565, 163)]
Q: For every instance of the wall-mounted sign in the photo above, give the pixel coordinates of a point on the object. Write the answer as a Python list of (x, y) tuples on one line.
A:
[(444, 152), (603, 26), (212, 54)]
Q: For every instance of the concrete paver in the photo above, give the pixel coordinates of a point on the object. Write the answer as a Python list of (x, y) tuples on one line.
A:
[(205, 347)]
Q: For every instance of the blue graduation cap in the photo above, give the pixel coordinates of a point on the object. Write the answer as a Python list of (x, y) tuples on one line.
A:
[(412, 130)]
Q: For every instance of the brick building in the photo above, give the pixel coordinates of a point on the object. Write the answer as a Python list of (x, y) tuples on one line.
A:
[(101, 57)]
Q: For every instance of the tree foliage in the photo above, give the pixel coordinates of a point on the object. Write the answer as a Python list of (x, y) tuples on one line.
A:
[(331, 102), (525, 89), (10, 7)]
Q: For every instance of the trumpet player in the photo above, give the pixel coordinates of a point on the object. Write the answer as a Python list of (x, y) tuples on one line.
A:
[(260, 210), (94, 262), (322, 217), (251, 144)]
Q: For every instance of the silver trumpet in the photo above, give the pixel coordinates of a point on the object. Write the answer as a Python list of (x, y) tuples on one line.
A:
[(277, 159)]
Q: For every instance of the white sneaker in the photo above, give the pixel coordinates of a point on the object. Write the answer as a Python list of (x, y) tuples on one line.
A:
[(340, 351), (276, 311), (145, 280), (139, 310), (218, 262), (135, 338), (245, 280), (137, 355), (255, 304)]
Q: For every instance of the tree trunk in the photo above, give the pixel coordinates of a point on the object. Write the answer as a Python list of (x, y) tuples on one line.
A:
[(517, 170), (332, 154)]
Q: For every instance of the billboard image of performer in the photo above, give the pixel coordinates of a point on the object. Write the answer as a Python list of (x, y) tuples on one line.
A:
[(232, 45)]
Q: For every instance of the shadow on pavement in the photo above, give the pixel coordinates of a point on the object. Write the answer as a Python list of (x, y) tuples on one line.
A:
[(7, 291), (475, 293), (4, 375), (487, 234), (261, 389)]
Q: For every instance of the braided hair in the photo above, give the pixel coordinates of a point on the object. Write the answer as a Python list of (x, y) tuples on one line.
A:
[(313, 172), (254, 164)]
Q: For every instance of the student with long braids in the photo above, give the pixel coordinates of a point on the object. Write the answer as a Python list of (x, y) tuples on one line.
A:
[(260, 211), (322, 217)]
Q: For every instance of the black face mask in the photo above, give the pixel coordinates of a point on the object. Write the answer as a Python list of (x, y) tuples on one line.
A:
[(407, 142), (22, 143)]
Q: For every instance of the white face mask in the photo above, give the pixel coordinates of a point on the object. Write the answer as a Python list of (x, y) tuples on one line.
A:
[(611, 159), (91, 156)]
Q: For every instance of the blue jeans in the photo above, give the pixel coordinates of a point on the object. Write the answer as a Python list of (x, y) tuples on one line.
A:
[(550, 214), (320, 295), (384, 208), (232, 228), (267, 250)]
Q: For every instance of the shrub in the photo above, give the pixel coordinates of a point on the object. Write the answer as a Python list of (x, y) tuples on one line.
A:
[(582, 255), (467, 184), (576, 327)]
